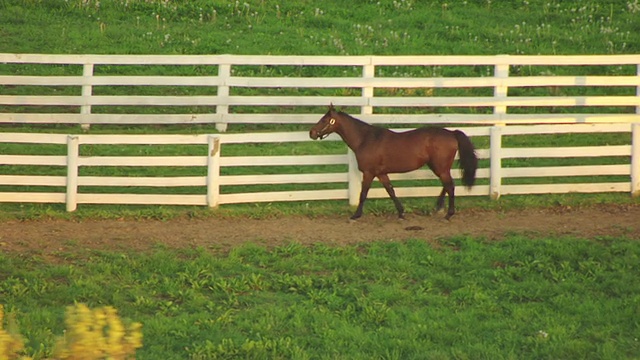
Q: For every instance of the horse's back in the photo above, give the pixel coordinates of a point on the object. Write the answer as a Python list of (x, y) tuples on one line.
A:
[(435, 131), (426, 136)]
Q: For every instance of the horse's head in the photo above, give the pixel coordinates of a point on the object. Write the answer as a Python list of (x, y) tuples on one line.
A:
[(327, 124)]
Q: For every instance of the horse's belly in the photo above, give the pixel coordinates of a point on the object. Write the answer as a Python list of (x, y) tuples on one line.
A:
[(395, 164), (401, 169), (395, 158)]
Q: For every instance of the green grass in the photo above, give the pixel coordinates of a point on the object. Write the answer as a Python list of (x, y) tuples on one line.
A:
[(419, 205), (330, 27), (456, 298)]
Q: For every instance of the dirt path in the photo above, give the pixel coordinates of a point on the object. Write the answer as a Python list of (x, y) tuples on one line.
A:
[(60, 238)]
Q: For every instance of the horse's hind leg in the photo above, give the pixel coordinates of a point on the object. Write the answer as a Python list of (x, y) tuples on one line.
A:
[(445, 178), (440, 201), (384, 179), (441, 164), (449, 188)]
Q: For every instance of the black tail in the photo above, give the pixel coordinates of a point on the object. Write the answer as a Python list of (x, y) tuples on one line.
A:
[(468, 158)]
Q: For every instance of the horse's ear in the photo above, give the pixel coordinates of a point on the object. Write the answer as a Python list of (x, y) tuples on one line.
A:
[(331, 108)]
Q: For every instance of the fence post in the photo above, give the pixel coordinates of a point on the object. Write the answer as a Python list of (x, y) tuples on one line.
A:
[(73, 152), (368, 72), (224, 73), (87, 91), (213, 171), (501, 71), (635, 159), (635, 148), (354, 177), (495, 156), (638, 87)]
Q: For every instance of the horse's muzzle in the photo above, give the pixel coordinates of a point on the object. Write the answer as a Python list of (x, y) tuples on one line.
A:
[(313, 134)]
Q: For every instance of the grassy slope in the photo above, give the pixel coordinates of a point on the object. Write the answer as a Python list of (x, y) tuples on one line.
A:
[(517, 299), (557, 298), (329, 27)]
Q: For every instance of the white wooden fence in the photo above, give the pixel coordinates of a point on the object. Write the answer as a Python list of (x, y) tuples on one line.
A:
[(94, 73), (371, 93), (213, 184)]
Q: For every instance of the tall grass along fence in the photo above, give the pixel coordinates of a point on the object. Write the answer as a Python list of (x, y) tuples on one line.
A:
[(543, 124), (214, 181)]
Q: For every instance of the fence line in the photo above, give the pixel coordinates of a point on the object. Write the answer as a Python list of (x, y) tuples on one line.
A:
[(211, 187), (364, 86), (502, 96)]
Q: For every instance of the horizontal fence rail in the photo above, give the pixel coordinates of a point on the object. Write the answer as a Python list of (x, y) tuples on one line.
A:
[(198, 171), (494, 99), (238, 89)]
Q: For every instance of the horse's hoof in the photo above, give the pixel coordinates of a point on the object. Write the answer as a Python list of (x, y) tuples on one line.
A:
[(401, 217)]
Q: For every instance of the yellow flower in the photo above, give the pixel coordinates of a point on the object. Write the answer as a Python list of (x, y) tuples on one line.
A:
[(11, 343), (97, 334)]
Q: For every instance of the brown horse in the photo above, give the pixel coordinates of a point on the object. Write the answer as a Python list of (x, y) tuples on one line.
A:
[(381, 151)]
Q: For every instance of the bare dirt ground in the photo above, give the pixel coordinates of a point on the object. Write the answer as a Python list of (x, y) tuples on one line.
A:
[(56, 239)]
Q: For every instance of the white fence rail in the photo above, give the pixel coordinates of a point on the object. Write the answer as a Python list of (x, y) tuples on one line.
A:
[(211, 188), (369, 83), (506, 95)]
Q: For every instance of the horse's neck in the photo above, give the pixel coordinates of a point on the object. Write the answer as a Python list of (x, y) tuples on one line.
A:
[(354, 131)]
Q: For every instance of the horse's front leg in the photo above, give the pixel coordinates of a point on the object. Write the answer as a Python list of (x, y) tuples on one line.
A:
[(366, 185), (384, 179)]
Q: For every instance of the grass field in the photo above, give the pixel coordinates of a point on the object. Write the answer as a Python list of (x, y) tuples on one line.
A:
[(331, 27), (457, 298)]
